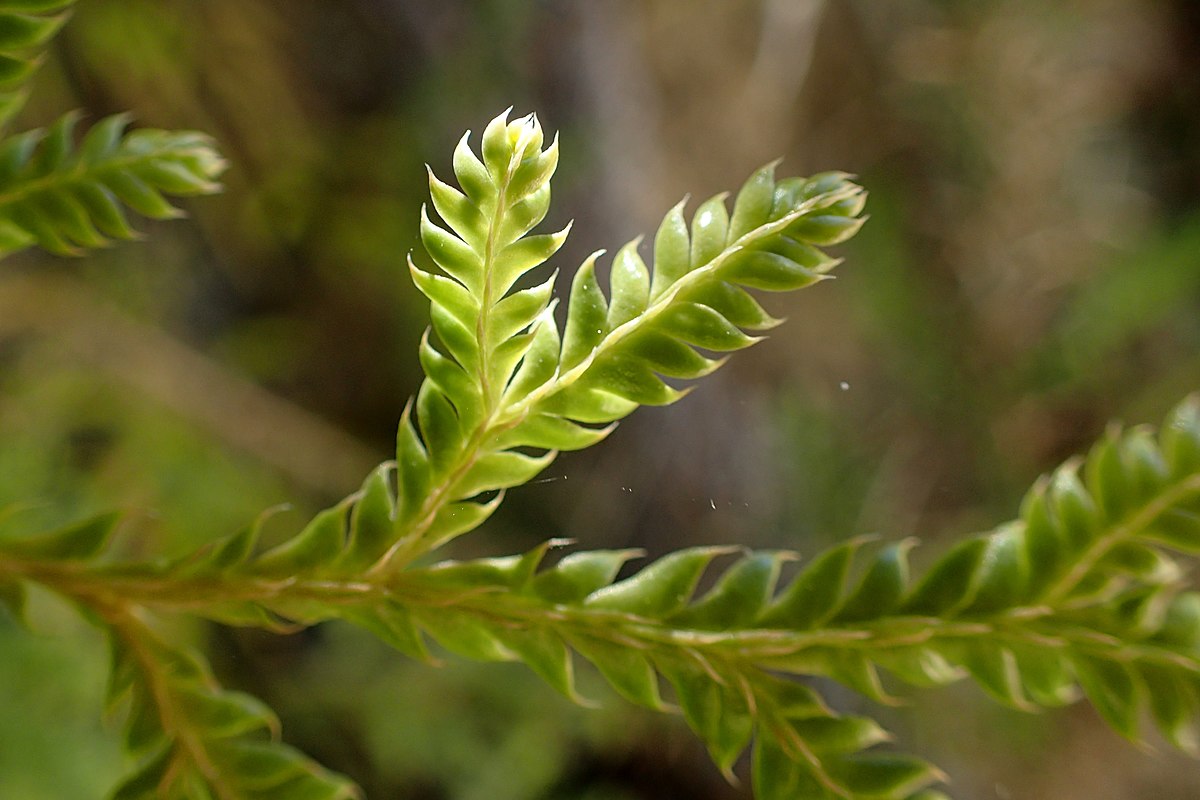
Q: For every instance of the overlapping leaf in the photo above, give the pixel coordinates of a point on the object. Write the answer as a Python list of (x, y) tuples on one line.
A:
[(646, 631), (1104, 612), (506, 388), (195, 740), (1084, 594), (25, 28), (67, 199), (665, 322)]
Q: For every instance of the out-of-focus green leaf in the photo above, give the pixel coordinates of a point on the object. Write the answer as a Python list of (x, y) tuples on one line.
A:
[(66, 200)]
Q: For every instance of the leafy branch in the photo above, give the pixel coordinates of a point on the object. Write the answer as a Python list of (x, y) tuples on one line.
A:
[(64, 199), (1011, 610), (1084, 594), (505, 378), (25, 28), (195, 739)]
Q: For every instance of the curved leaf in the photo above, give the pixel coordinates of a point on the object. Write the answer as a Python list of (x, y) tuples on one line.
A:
[(66, 199)]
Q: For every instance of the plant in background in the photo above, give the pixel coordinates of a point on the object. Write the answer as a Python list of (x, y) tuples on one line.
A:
[(67, 199), (1084, 593)]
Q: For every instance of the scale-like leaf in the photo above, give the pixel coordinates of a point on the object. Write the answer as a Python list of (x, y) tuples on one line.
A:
[(26, 26), (66, 199), (198, 740), (660, 589), (508, 378), (78, 541), (1084, 594)]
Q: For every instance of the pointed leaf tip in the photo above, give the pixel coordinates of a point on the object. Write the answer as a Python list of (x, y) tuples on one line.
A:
[(660, 589)]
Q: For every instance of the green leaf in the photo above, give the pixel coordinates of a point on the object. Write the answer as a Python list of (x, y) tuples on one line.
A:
[(995, 668), (463, 635), (671, 252), (660, 589), (372, 521), (885, 777), (198, 740), (20, 31), (535, 171), (553, 433), (950, 584), (790, 699), (880, 590), (588, 319), (856, 671), (26, 26), (497, 146), (1046, 676), (393, 624), (733, 303), (1181, 628), (540, 363), (624, 376), (1073, 508), (753, 203), (66, 199), (737, 598), (668, 356), (413, 468), (1174, 705), (453, 382), (710, 231), (718, 716), (1112, 690), (229, 552), (768, 271), (147, 780), (589, 405), (447, 293), (452, 254), (826, 229), (1003, 573), (920, 665), (459, 518), (501, 470), (1107, 478), (626, 669), (839, 735), (441, 430), (1177, 529), (777, 776), (523, 255), (578, 575), (702, 326), (79, 541), (473, 176), (509, 572), (226, 715), (519, 310), (544, 653), (318, 545), (1044, 549), (463, 217), (629, 286), (1180, 438), (816, 593)]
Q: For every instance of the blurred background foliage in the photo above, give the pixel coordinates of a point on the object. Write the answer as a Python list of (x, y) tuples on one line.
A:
[(1031, 269)]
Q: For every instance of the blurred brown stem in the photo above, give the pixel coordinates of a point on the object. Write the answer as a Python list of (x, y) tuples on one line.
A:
[(298, 443)]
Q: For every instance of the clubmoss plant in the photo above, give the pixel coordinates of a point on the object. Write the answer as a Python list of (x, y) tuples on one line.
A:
[(1083, 595)]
